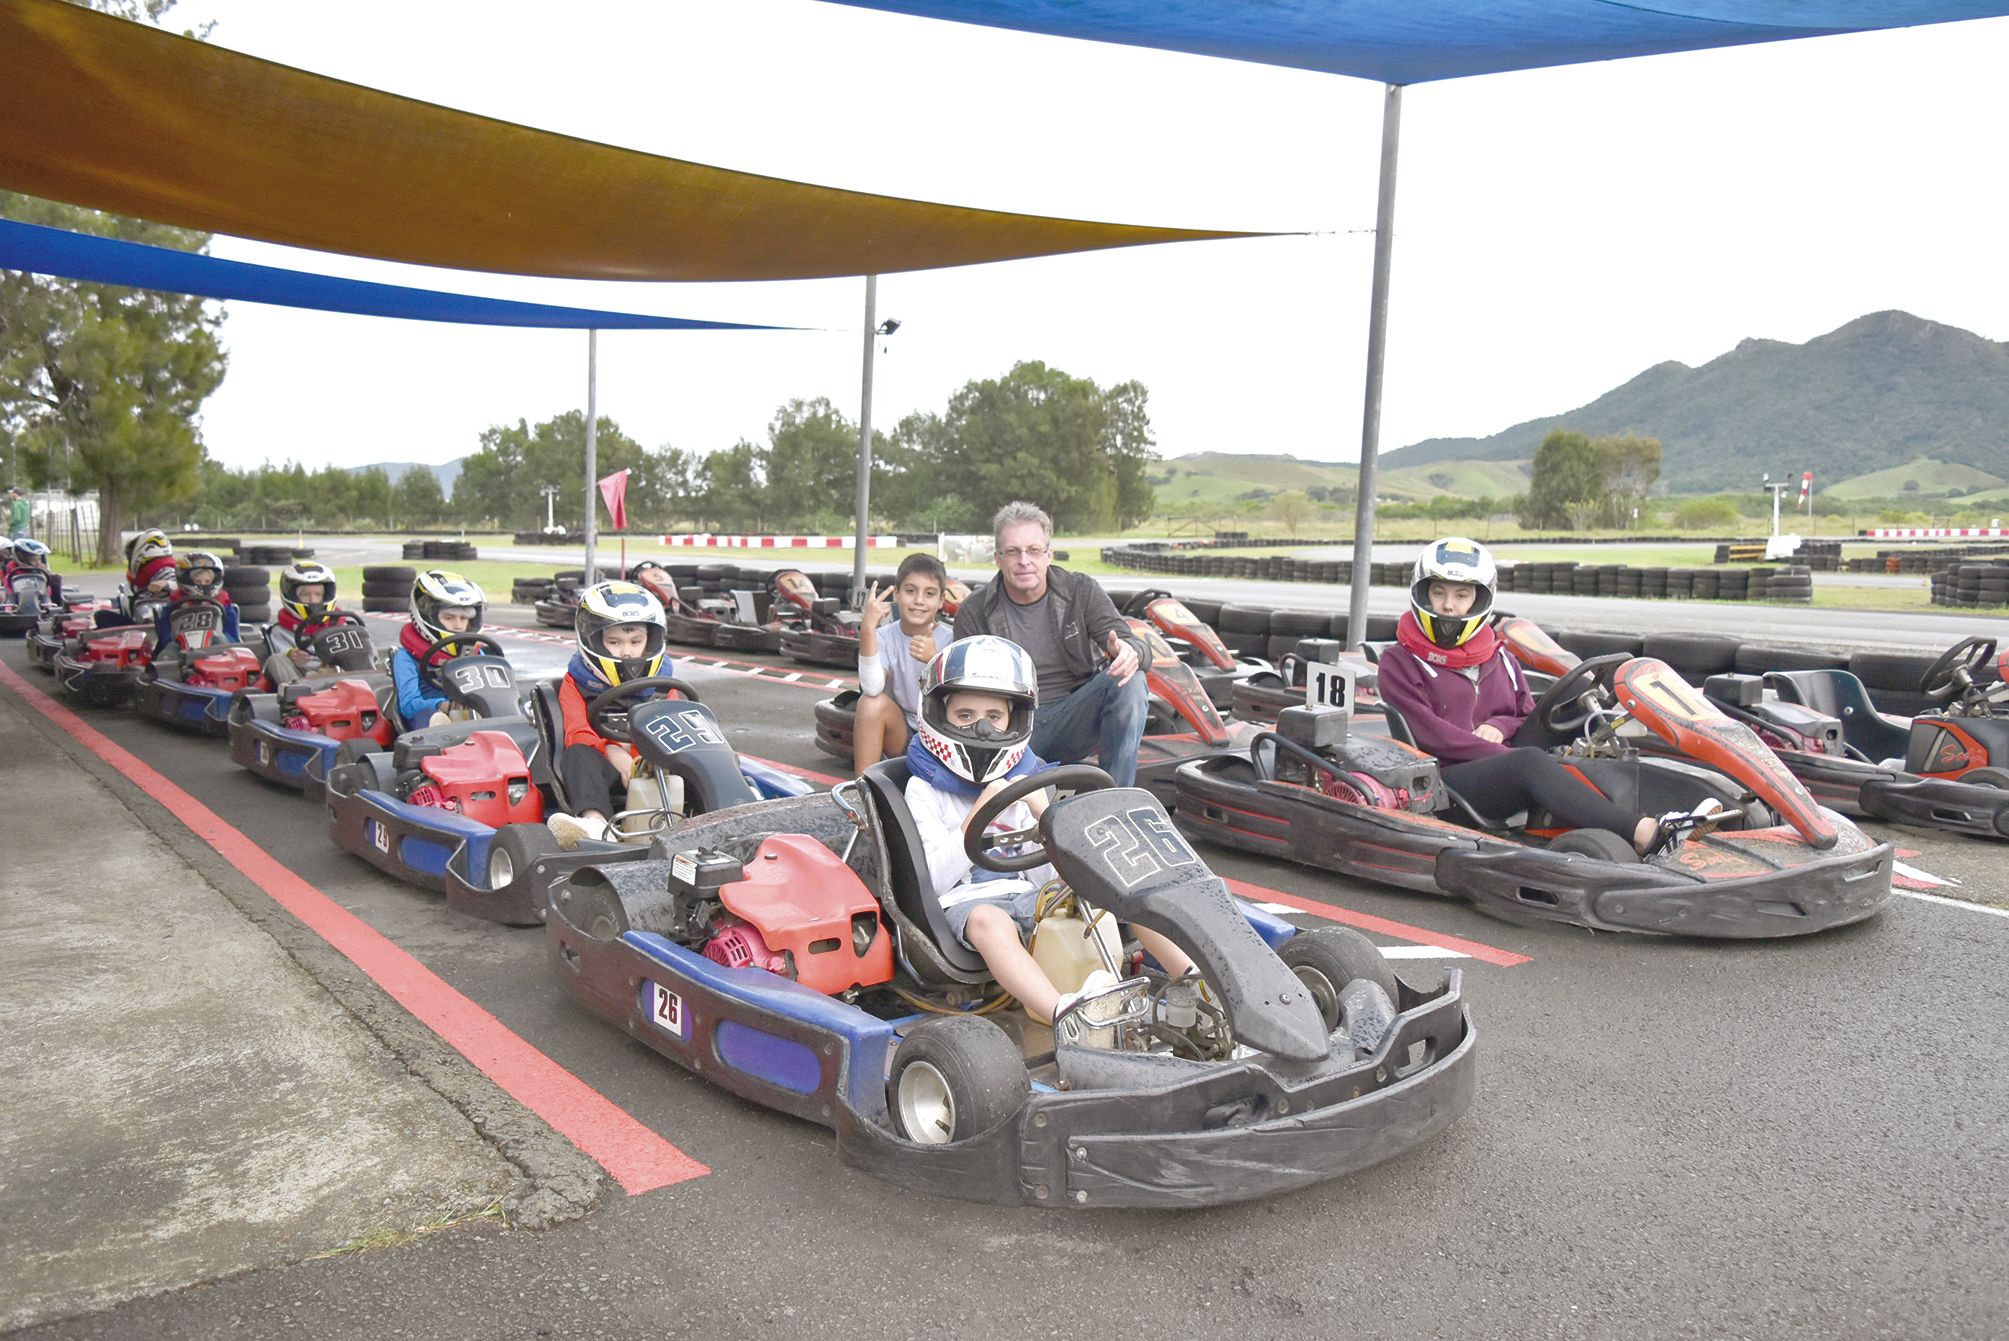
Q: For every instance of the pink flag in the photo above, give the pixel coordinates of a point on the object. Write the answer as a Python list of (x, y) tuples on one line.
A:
[(614, 490)]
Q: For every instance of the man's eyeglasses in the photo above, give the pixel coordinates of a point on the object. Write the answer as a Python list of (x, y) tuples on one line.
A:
[(1033, 552)]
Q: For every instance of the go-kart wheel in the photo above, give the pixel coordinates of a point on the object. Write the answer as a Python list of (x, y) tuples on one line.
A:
[(1952, 671), (978, 846), (1559, 699), (1986, 777), (607, 714), (1599, 844), (462, 644), (1326, 959), (954, 1077), (514, 850)]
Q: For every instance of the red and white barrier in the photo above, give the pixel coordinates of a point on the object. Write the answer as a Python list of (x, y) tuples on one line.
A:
[(705, 540), (1936, 532)]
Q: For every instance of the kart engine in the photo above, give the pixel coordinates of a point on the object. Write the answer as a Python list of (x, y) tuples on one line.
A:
[(347, 710), (233, 669), (795, 909)]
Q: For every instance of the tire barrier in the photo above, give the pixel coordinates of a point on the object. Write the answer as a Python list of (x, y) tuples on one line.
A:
[(1973, 585), (1793, 583), (440, 551), (1823, 556)]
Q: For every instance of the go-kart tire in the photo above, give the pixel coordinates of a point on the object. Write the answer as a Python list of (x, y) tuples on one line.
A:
[(385, 605), (399, 573), (1986, 777), (260, 613), (1600, 844), (246, 575), (514, 850), (1326, 959), (953, 1077), (375, 588)]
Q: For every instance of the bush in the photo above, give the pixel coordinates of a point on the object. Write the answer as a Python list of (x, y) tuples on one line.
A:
[(1706, 514)]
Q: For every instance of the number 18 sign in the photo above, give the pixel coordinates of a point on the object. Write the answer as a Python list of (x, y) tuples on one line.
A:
[(1329, 684)]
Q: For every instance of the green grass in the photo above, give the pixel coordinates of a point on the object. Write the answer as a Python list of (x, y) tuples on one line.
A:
[(1459, 479), (1932, 477)]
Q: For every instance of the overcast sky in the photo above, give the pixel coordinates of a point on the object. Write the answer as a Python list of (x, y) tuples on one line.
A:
[(1557, 231)]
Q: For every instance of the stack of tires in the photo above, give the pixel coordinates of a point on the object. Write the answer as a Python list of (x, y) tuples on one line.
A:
[(1246, 629), (529, 590), (1980, 584), (215, 544), (272, 556), (251, 591), (1287, 626), (1794, 583), (440, 551), (387, 588)]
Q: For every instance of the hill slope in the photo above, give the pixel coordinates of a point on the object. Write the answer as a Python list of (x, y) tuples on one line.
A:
[(1885, 389), (448, 472)]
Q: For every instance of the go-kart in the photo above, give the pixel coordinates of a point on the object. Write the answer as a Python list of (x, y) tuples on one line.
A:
[(189, 682), (1941, 770), (1182, 722), (440, 793), (291, 736), (684, 767), (100, 668), (1320, 792), (1218, 669), (76, 617), (23, 603), (793, 953), (816, 630), (558, 608)]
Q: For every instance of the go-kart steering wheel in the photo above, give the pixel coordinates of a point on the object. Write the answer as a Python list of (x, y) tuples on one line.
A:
[(1576, 682), (1137, 604), (978, 845), (341, 619), (601, 713), (461, 644), (1953, 671)]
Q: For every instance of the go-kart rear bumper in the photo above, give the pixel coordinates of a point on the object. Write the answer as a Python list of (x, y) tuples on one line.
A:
[(95, 683), (748, 637), (688, 632), (413, 843), (16, 623), (1815, 893), (820, 649), (278, 754), (189, 707), (1863, 789)]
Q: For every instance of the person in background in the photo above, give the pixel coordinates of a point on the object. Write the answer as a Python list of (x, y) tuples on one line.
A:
[(891, 659)]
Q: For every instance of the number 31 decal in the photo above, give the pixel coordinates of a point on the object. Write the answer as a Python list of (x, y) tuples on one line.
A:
[(1138, 845)]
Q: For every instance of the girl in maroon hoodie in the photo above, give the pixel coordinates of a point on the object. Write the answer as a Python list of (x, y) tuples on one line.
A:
[(1467, 702)]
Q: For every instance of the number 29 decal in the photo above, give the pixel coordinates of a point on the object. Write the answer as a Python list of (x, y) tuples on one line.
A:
[(1138, 844)]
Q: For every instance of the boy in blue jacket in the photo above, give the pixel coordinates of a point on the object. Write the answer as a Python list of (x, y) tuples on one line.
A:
[(443, 604)]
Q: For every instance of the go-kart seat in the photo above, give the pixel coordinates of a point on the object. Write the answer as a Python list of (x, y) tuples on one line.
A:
[(1839, 694), (908, 878), (550, 719)]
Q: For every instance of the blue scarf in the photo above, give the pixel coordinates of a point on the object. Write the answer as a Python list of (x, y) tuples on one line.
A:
[(935, 773), (589, 683)]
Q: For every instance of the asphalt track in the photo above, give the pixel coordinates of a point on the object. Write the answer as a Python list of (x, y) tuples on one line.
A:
[(1671, 1138)]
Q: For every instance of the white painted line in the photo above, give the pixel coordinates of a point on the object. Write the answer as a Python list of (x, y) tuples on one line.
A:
[(1421, 952), (797, 675), (1913, 873), (1954, 903)]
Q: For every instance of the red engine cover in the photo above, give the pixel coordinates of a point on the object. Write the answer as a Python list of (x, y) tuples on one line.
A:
[(126, 648), (342, 712), (487, 779), (809, 907), (232, 669)]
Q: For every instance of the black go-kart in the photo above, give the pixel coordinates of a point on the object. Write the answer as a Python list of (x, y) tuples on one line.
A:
[(816, 630), (792, 952), (1357, 796)]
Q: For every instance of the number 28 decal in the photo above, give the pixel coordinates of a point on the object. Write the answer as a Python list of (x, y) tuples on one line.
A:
[(1138, 844)]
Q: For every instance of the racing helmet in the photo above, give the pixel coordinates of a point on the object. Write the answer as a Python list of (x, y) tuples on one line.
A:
[(6, 549), (32, 551), (300, 574), (606, 605), (979, 753), (435, 590), (145, 547), (189, 570), (1453, 559)]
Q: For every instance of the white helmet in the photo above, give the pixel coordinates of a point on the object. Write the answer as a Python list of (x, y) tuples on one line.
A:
[(979, 753), (1453, 559)]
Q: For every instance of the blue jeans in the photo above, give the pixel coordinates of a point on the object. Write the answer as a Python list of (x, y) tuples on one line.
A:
[(1101, 718)]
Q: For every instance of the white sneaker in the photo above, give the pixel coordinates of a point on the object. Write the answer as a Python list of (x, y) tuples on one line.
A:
[(1677, 825), (1095, 984), (571, 830)]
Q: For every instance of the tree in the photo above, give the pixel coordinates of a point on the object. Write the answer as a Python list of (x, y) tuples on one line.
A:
[(1293, 509), (416, 500), (101, 386), (1631, 464), (1706, 514), (1566, 470), (503, 482), (733, 495)]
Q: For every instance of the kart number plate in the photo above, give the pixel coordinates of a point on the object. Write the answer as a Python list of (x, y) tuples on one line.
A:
[(265, 753), (379, 836), (666, 1009), (1329, 684)]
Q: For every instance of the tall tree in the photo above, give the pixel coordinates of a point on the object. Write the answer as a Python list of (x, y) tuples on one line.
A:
[(811, 465), (504, 481), (417, 500), (1566, 470), (101, 386), (1631, 464)]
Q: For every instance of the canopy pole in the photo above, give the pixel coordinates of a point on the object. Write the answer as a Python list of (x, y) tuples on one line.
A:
[(1377, 351), (865, 438), (592, 442)]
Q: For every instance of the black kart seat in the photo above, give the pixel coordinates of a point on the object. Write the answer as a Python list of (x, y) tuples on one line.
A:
[(1464, 813), (907, 875), (542, 702), (1839, 694)]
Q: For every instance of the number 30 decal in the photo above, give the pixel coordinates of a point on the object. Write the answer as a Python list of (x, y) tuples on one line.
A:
[(1138, 845)]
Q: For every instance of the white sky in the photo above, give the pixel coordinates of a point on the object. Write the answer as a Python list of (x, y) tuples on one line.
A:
[(1557, 231)]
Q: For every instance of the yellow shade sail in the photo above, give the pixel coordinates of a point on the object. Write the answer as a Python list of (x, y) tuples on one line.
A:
[(115, 115)]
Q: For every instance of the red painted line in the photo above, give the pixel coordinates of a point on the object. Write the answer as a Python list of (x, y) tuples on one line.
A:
[(633, 1155), (806, 774), (1386, 926)]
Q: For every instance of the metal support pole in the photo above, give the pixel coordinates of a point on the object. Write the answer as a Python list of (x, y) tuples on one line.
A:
[(865, 439), (592, 443), (1377, 351)]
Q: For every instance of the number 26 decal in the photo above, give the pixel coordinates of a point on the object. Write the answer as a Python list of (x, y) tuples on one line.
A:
[(1138, 845)]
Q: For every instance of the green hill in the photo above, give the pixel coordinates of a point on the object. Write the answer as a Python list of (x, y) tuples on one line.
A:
[(1462, 479), (1929, 478), (1886, 388), (1224, 477)]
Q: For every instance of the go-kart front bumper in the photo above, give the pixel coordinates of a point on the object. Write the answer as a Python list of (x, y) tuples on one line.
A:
[(1863, 789), (189, 707), (279, 754)]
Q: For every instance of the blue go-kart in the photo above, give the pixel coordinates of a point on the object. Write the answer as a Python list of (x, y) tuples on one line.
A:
[(793, 953), (291, 736), (189, 682)]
